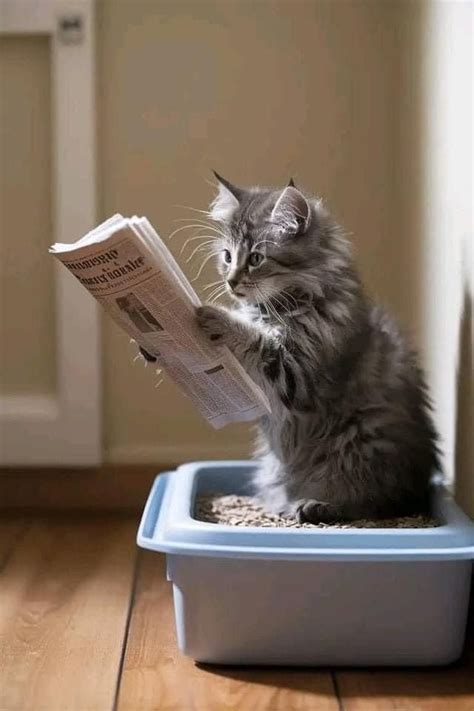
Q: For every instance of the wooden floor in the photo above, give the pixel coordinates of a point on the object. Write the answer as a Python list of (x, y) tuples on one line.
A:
[(86, 624)]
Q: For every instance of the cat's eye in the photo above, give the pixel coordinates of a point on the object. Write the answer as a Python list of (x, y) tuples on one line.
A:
[(227, 256), (255, 259)]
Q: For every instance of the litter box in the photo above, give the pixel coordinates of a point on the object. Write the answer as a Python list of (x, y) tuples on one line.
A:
[(324, 597)]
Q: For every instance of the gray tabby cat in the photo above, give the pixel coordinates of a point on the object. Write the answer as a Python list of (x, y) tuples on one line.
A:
[(350, 435)]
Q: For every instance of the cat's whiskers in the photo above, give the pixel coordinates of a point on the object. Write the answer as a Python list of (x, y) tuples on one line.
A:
[(194, 209), (271, 313), (288, 297), (282, 305), (204, 224), (199, 248), (276, 298), (259, 310), (216, 290), (264, 306), (275, 314), (220, 292), (204, 262), (193, 239), (216, 298), (286, 311), (183, 227), (213, 283)]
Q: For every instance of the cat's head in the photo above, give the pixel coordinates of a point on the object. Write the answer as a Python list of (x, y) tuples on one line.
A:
[(269, 239)]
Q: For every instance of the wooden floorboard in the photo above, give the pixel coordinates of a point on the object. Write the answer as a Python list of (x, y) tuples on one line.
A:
[(434, 689), (64, 597), (68, 643), (157, 676)]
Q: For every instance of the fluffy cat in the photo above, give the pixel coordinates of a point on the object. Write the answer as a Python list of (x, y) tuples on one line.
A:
[(350, 435)]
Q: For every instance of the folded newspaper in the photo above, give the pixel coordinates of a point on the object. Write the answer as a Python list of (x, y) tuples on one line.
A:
[(125, 265)]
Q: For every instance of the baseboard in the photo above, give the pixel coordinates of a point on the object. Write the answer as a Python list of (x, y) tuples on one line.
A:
[(122, 484), (105, 488)]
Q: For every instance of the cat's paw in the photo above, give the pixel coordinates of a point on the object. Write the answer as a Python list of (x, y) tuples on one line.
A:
[(312, 511), (213, 322)]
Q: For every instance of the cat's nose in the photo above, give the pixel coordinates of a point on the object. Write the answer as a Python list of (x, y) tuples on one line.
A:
[(232, 283)]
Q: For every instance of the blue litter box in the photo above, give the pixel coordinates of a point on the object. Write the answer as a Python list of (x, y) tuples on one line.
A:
[(352, 597)]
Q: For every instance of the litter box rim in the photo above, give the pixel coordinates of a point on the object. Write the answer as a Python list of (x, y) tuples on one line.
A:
[(167, 525)]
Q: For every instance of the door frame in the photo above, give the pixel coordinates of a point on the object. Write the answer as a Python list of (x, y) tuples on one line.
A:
[(63, 427)]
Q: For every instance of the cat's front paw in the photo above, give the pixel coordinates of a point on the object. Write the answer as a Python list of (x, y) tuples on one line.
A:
[(213, 322), (312, 511)]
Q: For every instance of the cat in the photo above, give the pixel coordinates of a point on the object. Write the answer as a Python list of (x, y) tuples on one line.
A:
[(350, 434)]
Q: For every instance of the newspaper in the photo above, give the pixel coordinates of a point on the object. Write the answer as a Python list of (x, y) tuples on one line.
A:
[(125, 265)]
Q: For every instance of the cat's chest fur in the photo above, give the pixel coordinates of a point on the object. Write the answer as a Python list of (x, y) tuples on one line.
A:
[(285, 424), (325, 442)]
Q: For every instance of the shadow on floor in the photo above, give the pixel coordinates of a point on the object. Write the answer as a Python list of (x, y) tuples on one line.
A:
[(454, 680)]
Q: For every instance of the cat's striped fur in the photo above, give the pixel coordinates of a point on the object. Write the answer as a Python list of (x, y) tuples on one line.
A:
[(350, 435)]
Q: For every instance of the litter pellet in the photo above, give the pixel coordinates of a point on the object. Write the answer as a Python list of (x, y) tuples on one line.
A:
[(236, 510)]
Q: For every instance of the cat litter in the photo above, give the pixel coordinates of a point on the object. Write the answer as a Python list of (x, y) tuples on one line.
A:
[(247, 511), (278, 593)]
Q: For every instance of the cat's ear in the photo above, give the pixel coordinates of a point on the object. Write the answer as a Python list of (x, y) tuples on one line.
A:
[(291, 212), (226, 201)]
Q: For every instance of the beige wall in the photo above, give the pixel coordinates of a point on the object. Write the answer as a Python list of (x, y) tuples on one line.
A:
[(260, 91)]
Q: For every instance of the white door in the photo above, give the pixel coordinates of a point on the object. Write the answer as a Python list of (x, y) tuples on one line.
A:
[(63, 426)]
